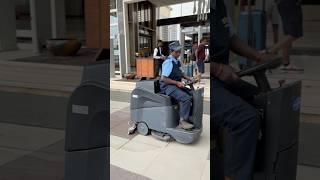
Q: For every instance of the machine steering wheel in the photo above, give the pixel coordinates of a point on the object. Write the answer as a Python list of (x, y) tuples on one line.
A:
[(190, 84), (258, 72), (271, 64)]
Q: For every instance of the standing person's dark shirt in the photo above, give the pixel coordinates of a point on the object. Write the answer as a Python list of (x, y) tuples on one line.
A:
[(201, 52)]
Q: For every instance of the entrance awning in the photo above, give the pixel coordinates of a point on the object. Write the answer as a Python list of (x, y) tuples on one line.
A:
[(167, 3), (185, 21)]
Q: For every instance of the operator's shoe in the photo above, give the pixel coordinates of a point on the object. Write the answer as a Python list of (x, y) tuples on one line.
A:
[(185, 125)]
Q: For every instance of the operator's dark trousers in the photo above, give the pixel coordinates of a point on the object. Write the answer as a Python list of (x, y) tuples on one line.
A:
[(184, 97), (231, 111)]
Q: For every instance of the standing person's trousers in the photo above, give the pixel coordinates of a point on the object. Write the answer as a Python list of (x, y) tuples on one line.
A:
[(159, 66), (201, 66), (232, 111)]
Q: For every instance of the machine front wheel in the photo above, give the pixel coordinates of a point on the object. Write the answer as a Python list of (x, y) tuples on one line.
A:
[(143, 128)]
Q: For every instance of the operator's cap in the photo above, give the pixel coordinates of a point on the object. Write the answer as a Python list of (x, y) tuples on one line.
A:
[(175, 46)]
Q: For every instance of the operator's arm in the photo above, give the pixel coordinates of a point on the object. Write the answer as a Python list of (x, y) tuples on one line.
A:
[(215, 68), (167, 80), (242, 49), (187, 78), (224, 72)]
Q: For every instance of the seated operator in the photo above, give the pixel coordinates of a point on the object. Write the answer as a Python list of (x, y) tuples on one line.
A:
[(231, 108), (172, 86)]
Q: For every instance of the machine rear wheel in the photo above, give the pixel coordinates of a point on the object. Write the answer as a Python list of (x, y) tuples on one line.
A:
[(143, 128)]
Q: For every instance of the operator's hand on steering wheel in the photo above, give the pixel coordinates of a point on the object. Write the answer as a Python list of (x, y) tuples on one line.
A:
[(228, 74), (193, 80), (180, 84)]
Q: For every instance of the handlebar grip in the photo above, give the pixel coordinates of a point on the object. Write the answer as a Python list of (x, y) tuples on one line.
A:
[(261, 67)]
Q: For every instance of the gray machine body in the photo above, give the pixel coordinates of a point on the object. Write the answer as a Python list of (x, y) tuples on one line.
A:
[(86, 146), (161, 113), (277, 148)]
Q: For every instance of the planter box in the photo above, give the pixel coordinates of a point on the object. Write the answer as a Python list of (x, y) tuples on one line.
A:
[(146, 67)]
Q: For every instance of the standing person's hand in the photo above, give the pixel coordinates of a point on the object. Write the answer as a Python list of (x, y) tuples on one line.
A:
[(227, 74)]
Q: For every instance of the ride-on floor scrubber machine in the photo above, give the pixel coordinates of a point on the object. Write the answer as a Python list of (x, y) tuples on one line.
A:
[(277, 150), (87, 126), (154, 112)]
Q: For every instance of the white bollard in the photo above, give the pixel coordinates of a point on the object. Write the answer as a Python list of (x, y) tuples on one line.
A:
[(112, 64)]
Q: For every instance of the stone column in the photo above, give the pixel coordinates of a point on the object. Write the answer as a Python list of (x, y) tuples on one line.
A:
[(58, 18), (199, 34), (8, 40), (182, 42), (122, 12), (112, 64), (40, 13)]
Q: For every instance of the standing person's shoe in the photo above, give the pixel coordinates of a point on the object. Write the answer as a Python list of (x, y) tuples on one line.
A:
[(185, 125), (290, 67)]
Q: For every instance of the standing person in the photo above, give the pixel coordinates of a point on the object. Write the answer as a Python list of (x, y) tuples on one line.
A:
[(193, 56), (158, 56), (201, 54), (194, 49), (292, 22), (273, 16)]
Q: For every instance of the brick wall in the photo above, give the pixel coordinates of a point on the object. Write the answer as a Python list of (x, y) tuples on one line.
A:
[(97, 23)]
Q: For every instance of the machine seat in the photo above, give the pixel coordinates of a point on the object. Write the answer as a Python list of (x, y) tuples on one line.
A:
[(143, 98)]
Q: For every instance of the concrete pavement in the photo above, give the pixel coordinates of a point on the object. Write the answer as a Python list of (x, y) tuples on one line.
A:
[(148, 157)]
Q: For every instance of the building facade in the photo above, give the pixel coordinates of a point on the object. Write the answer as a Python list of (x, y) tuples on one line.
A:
[(135, 30), (29, 23)]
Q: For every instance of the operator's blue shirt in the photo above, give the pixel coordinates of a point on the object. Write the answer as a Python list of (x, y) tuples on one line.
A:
[(171, 68), (167, 66)]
